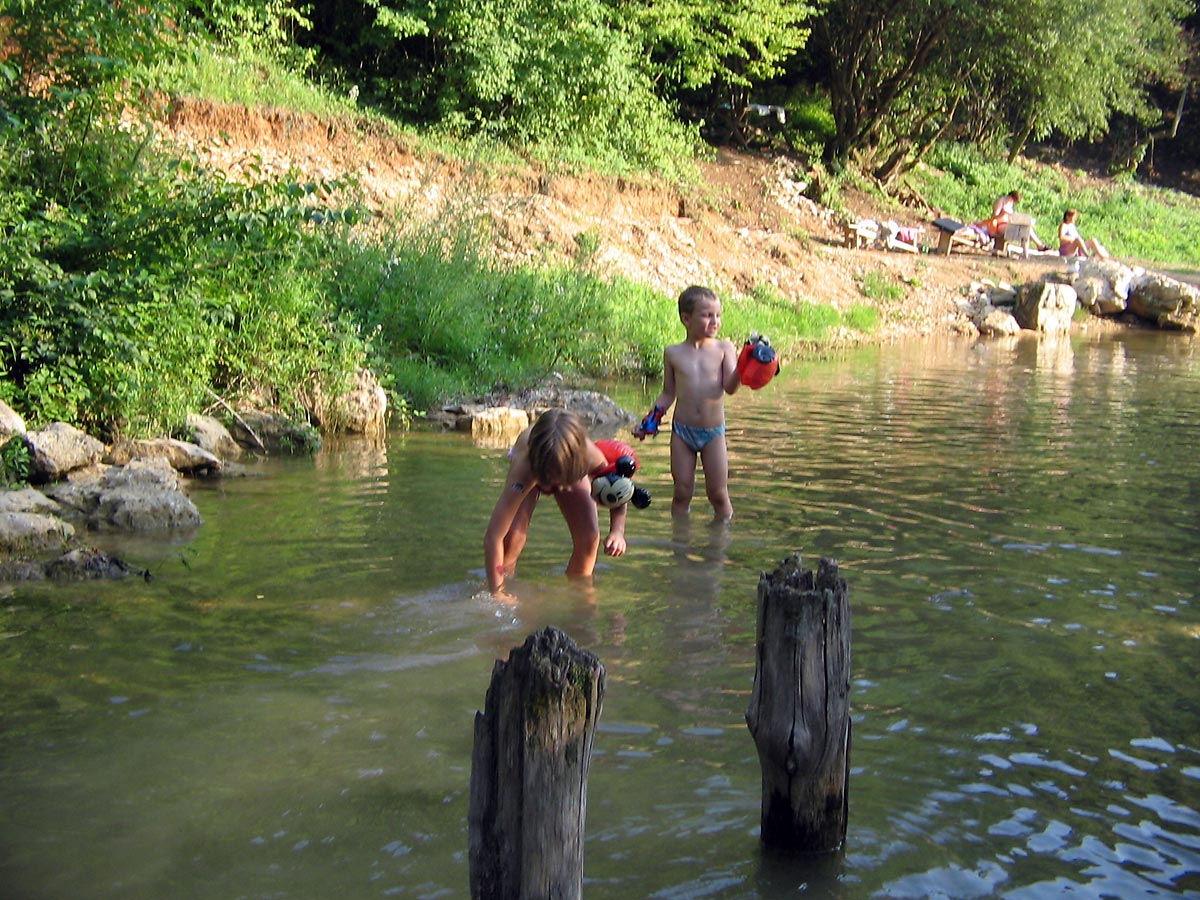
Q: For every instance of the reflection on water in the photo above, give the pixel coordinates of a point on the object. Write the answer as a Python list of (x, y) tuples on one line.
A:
[(286, 709)]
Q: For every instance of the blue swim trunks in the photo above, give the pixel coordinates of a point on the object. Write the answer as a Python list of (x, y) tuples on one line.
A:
[(696, 438)]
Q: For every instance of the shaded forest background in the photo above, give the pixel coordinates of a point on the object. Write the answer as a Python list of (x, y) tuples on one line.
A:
[(872, 84)]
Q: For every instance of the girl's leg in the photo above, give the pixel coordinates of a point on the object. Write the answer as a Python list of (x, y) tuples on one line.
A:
[(579, 510), (715, 457), (683, 476)]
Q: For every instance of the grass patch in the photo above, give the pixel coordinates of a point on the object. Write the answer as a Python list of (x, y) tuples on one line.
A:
[(203, 70), (879, 285)]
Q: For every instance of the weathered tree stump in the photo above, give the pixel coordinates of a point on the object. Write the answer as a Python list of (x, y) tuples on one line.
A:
[(799, 712), (529, 771)]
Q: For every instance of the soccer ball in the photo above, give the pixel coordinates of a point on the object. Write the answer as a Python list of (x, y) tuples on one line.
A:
[(612, 490)]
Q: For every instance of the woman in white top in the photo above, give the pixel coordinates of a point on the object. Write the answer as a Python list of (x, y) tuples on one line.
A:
[(1071, 243)]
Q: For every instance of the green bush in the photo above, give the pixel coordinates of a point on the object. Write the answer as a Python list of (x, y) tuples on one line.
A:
[(126, 298), (447, 320), (553, 78)]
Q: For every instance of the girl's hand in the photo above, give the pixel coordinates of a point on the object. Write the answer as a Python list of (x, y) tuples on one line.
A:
[(614, 545)]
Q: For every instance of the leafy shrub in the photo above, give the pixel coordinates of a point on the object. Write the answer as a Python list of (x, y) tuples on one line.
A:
[(14, 463)]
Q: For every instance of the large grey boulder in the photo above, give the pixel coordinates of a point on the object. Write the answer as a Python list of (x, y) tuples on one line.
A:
[(1045, 306), (1099, 296), (501, 420), (491, 426), (59, 449), (602, 415), (362, 409), (1163, 300), (28, 500), (143, 495), (1119, 276), (998, 323), (266, 432)]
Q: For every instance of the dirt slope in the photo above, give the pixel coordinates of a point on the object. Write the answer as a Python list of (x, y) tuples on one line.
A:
[(747, 224)]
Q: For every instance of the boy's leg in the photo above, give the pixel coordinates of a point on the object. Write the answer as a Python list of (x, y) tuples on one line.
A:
[(579, 510), (518, 533), (715, 458), (683, 476)]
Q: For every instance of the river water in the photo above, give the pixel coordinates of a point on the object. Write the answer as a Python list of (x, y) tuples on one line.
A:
[(285, 710)]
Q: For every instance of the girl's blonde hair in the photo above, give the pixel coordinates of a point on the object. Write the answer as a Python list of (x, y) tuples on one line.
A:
[(558, 445)]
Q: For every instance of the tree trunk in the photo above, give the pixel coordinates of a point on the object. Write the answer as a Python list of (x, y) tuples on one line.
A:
[(529, 771), (799, 712), (1020, 140)]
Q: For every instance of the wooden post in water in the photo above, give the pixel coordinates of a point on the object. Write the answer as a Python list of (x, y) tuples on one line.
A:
[(529, 771), (799, 712)]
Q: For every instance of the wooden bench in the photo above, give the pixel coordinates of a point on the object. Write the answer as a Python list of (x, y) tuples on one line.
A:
[(951, 232)]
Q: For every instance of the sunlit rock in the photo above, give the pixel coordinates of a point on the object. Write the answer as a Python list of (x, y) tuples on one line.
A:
[(1045, 306), (1156, 297), (26, 532), (190, 459), (58, 449), (212, 435), (10, 422)]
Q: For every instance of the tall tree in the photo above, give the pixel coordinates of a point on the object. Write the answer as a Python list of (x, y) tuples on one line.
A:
[(1082, 65), (874, 53)]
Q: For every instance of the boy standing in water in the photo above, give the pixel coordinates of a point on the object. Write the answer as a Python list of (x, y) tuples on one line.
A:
[(697, 374), (552, 456)]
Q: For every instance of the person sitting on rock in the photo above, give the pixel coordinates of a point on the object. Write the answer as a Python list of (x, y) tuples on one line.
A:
[(1072, 243)]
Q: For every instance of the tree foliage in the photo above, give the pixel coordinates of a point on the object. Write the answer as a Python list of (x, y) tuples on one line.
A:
[(900, 73), (555, 75), (694, 45)]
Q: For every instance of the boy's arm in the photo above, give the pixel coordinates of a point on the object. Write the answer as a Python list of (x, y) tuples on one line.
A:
[(731, 378), (614, 544), (662, 403)]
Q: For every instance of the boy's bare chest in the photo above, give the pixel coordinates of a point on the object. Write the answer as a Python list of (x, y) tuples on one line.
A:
[(699, 369)]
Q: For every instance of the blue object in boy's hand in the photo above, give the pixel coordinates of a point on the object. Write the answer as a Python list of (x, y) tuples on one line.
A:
[(652, 421)]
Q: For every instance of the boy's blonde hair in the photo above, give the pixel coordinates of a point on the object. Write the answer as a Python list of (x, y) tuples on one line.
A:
[(693, 295), (558, 448)]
